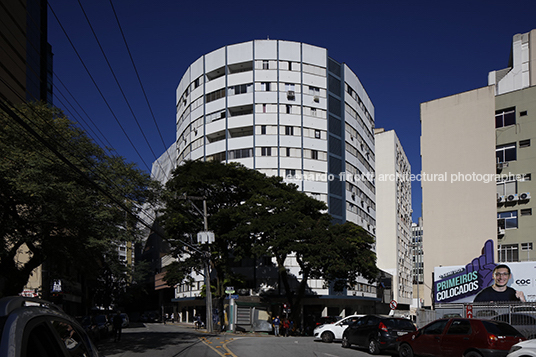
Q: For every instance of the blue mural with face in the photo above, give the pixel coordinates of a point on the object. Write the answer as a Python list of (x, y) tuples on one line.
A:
[(476, 275)]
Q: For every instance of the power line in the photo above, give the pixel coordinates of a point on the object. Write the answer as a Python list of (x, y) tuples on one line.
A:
[(139, 79), (117, 81), (97, 87)]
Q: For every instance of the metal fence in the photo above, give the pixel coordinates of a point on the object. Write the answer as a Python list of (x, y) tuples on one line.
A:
[(520, 315)]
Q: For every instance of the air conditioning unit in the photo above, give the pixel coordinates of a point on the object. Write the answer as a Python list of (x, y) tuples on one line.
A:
[(291, 94), (316, 98), (501, 199), (512, 197), (524, 196), (501, 165)]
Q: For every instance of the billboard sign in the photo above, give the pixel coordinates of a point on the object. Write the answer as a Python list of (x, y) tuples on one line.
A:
[(458, 284)]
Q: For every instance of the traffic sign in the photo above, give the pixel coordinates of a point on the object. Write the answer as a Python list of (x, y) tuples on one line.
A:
[(393, 304)]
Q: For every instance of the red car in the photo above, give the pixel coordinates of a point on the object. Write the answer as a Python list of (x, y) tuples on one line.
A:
[(458, 337)]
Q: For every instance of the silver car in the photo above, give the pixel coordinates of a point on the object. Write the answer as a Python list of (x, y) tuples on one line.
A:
[(34, 327)]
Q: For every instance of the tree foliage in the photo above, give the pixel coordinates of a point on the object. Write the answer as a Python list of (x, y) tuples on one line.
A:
[(53, 211), (253, 215)]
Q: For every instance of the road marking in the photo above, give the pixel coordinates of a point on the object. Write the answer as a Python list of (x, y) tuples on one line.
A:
[(208, 343)]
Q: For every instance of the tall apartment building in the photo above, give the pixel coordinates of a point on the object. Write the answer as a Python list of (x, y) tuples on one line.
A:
[(289, 109), (393, 214), (417, 235), (26, 56), (475, 197)]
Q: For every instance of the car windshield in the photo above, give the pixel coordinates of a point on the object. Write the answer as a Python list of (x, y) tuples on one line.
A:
[(500, 328), (402, 324), (100, 319)]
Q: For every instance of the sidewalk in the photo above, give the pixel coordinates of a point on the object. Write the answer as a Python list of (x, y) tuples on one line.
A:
[(231, 333)]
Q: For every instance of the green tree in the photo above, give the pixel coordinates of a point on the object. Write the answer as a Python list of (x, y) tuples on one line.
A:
[(253, 215), (62, 198)]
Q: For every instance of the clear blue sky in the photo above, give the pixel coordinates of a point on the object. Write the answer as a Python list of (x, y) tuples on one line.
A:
[(404, 52)]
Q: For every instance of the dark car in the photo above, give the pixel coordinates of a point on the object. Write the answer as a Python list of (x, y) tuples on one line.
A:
[(459, 337), (32, 327), (377, 332), (90, 326), (104, 325)]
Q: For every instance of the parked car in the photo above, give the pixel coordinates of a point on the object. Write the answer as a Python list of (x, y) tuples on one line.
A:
[(459, 337), (377, 332), (34, 327), (90, 326), (523, 349), (126, 320), (333, 331), (104, 325), (526, 324)]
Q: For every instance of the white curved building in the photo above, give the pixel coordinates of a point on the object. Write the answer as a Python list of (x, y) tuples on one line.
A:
[(284, 108)]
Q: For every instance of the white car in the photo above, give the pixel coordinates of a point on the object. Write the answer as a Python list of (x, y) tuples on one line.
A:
[(524, 348), (330, 332)]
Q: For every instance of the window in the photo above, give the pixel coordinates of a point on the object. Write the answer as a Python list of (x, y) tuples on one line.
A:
[(435, 328), (317, 134), (524, 143), (505, 117), (240, 89), (220, 93), (264, 108), (289, 109), (314, 90), (526, 212), (523, 113), (506, 188), (288, 151), (263, 129), (526, 246), (265, 151), (508, 253), (314, 154), (290, 173), (505, 153), (459, 327), (313, 112), (289, 130), (265, 86), (289, 86), (265, 64), (507, 220), (240, 153), (527, 177)]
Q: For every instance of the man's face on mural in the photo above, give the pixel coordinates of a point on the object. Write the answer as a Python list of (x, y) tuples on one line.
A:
[(501, 276)]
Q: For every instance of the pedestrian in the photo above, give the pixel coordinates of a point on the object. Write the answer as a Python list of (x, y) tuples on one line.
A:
[(276, 323), (499, 291), (285, 327), (117, 323), (173, 317)]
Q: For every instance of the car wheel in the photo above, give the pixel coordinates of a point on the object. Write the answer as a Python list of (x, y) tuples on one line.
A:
[(405, 350), (373, 347), (472, 354), (345, 342), (327, 337)]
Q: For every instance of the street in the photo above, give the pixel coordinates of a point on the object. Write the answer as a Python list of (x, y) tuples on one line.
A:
[(174, 340)]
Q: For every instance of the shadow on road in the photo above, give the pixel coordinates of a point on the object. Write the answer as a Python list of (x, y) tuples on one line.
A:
[(139, 342)]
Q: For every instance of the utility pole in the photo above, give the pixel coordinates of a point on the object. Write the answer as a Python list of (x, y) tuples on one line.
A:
[(201, 238)]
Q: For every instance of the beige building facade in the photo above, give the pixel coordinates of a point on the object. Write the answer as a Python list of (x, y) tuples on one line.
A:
[(469, 194), (393, 213)]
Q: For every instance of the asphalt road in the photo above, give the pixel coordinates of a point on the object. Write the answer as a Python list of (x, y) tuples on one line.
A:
[(173, 340)]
